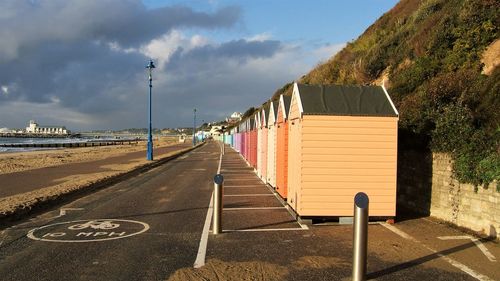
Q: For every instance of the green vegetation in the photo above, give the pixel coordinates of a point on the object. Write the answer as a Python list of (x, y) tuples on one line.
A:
[(431, 52), (249, 112)]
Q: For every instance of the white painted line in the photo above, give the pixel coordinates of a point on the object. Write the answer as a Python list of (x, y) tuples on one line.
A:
[(454, 237), (451, 261), (236, 169), (264, 229), (303, 226), (483, 249), (256, 181), (242, 178), (476, 241), (245, 195), (398, 232), (63, 211), (202, 249), (254, 208), (251, 185)]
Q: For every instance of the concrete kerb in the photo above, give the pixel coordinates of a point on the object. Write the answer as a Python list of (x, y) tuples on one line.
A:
[(40, 205)]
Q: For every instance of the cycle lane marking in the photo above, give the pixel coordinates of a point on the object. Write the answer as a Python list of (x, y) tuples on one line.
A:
[(93, 230)]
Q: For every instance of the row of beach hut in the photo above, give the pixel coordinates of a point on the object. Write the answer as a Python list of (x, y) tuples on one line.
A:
[(322, 145)]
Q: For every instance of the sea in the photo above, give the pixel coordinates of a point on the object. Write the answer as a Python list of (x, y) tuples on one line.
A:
[(10, 140)]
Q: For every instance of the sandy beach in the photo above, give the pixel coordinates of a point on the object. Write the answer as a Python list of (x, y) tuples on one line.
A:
[(19, 165), (24, 161)]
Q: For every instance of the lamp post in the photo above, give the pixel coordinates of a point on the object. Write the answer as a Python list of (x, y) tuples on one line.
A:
[(194, 127), (150, 67), (202, 126)]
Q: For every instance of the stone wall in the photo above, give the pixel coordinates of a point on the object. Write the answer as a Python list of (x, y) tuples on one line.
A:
[(426, 187), (463, 204)]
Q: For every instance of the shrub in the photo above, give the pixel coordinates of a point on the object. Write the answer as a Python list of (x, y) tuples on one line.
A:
[(488, 168)]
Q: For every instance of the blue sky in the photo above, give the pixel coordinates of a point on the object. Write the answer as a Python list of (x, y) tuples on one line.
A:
[(80, 63), (315, 21)]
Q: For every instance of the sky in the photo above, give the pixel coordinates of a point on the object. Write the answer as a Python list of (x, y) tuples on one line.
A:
[(81, 63)]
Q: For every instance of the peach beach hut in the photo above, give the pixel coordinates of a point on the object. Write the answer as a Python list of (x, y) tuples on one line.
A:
[(282, 146), (342, 140)]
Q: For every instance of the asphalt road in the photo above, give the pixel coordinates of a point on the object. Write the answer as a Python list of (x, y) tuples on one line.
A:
[(145, 227), (30, 180), (149, 228)]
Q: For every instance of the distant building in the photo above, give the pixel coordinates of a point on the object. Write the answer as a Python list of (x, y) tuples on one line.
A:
[(34, 128), (215, 130), (6, 130), (235, 117)]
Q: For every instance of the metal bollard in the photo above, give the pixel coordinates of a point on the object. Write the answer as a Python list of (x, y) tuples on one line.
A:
[(218, 192), (223, 148), (360, 237)]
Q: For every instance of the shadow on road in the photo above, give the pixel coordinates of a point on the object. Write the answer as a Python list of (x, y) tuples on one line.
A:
[(421, 260)]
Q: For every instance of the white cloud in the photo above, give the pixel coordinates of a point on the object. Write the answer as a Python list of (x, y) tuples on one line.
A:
[(324, 52), (260, 37), (163, 47), (117, 48), (5, 90)]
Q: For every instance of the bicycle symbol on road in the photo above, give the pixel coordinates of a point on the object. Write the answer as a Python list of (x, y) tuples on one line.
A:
[(95, 224), (92, 230)]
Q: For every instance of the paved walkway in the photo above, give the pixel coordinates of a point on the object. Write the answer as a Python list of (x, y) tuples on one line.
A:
[(261, 238), (250, 205), (26, 181)]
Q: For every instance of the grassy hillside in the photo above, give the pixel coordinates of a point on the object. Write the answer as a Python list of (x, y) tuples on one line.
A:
[(429, 55)]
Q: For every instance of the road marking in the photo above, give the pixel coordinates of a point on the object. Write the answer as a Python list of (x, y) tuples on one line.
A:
[(63, 211), (253, 208), (451, 261), (236, 170), (202, 248), (398, 232), (94, 230), (245, 195), (303, 226), (251, 185), (476, 241), (238, 176), (246, 178), (265, 229)]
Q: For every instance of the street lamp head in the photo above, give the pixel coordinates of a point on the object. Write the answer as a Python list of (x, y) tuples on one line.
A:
[(150, 65)]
